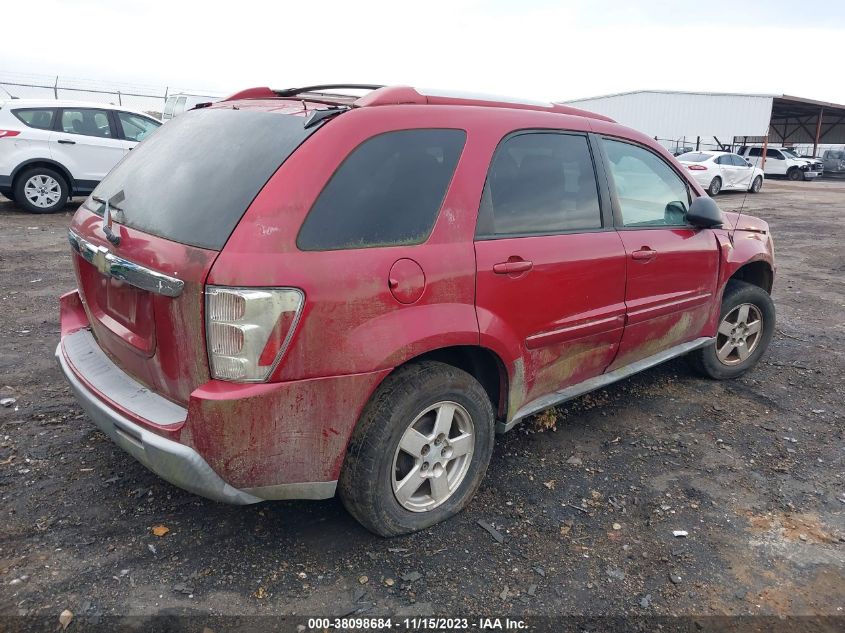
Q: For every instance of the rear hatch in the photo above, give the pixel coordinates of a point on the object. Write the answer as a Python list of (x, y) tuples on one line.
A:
[(174, 201)]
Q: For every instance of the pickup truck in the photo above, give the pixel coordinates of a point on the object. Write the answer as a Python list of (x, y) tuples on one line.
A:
[(782, 161)]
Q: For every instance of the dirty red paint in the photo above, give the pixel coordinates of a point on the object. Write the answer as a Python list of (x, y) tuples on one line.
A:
[(584, 308)]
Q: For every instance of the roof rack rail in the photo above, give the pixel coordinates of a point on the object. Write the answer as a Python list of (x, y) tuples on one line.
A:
[(292, 92)]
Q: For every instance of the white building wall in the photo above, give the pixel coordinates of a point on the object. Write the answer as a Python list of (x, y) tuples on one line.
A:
[(675, 115)]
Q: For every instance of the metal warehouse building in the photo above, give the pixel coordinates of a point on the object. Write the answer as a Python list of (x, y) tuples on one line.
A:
[(722, 120)]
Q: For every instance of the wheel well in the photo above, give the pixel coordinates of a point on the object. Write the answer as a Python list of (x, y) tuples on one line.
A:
[(482, 364), (757, 273), (43, 163)]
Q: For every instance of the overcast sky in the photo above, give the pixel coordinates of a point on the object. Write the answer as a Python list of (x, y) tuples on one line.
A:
[(531, 48)]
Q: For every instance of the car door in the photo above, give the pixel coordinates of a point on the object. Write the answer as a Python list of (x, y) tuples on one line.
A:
[(672, 267), (87, 144), (776, 163), (726, 171), (743, 172), (550, 267)]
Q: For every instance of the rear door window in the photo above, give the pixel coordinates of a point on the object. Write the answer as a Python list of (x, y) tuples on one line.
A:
[(540, 183), (38, 118), (192, 181), (388, 191), (168, 108)]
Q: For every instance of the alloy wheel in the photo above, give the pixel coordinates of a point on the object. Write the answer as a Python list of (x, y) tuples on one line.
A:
[(433, 456), (739, 334), (42, 191)]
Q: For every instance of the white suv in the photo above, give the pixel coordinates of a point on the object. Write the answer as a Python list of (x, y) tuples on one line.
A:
[(52, 150)]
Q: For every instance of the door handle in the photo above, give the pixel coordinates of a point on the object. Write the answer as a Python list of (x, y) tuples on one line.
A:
[(65, 141), (511, 267), (643, 253)]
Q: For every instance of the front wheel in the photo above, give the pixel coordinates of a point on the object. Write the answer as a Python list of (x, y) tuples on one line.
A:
[(715, 187), (756, 185), (420, 449), (794, 174), (746, 326)]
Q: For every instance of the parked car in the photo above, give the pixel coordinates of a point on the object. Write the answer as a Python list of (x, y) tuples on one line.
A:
[(782, 161), (52, 150), (179, 103), (678, 150), (354, 299), (718, 171), (834, 161)]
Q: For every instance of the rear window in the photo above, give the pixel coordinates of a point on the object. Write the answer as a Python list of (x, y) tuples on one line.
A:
[(387, 192), (694, 157), (192, 181), (39, 118)]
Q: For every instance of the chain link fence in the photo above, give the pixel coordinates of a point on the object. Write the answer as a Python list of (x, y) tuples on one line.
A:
[(145, 98)]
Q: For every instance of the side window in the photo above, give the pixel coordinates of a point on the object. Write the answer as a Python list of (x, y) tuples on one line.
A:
[(86, 121), (180, 105), (387, 192), (135, 127), (755, 151), (738, 161), (724, 159), (540, 183), (773, 153), (649, 191), (39, 118)]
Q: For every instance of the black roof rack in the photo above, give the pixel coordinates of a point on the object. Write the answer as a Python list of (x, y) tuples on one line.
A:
[(292, 92)]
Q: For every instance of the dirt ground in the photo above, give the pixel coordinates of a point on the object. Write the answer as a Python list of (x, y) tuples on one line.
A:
[(753, 470)]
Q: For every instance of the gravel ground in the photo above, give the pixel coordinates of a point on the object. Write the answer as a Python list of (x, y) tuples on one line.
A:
[(584, 500)]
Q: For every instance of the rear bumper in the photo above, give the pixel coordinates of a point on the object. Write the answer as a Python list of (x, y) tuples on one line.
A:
[(179, 464)]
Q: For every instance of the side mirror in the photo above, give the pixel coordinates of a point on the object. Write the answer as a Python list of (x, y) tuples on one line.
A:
[(749, 163), (705, 213)]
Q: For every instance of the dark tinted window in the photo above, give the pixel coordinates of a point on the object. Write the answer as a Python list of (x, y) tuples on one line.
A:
[(650, 192), (755, 151), (388, 191), (738, 161), (40, 118), (773, 153), (540, 183), (694, 157), (193, 179)]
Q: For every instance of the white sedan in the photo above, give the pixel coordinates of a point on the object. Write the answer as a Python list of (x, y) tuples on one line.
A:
[(722, 171)]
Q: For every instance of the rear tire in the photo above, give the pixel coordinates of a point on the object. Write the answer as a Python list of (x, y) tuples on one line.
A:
[(393, 490), (756, 185), (743, 304), (41, 190), (715, 187)]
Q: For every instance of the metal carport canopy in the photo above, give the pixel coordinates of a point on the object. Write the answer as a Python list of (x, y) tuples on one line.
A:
[(722, 115)]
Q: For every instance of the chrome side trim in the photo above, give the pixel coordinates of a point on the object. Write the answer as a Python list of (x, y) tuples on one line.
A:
[(597, 382), (134, 274)]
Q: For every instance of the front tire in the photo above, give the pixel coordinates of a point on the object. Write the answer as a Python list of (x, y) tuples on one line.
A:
[(41, 190), (715, 187), (420, 449), (794, 174), (756, 185), (746, 326)]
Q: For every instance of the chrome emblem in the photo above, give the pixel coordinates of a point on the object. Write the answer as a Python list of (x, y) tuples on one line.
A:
[(100, 260)]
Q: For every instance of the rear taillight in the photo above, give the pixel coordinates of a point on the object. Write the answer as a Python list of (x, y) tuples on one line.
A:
[(696, 168), (8, 133), (249, 329)]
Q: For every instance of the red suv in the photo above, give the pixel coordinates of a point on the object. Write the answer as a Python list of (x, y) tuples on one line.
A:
[(293, 293)]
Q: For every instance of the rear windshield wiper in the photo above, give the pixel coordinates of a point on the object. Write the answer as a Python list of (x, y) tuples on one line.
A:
[(118, 197)]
